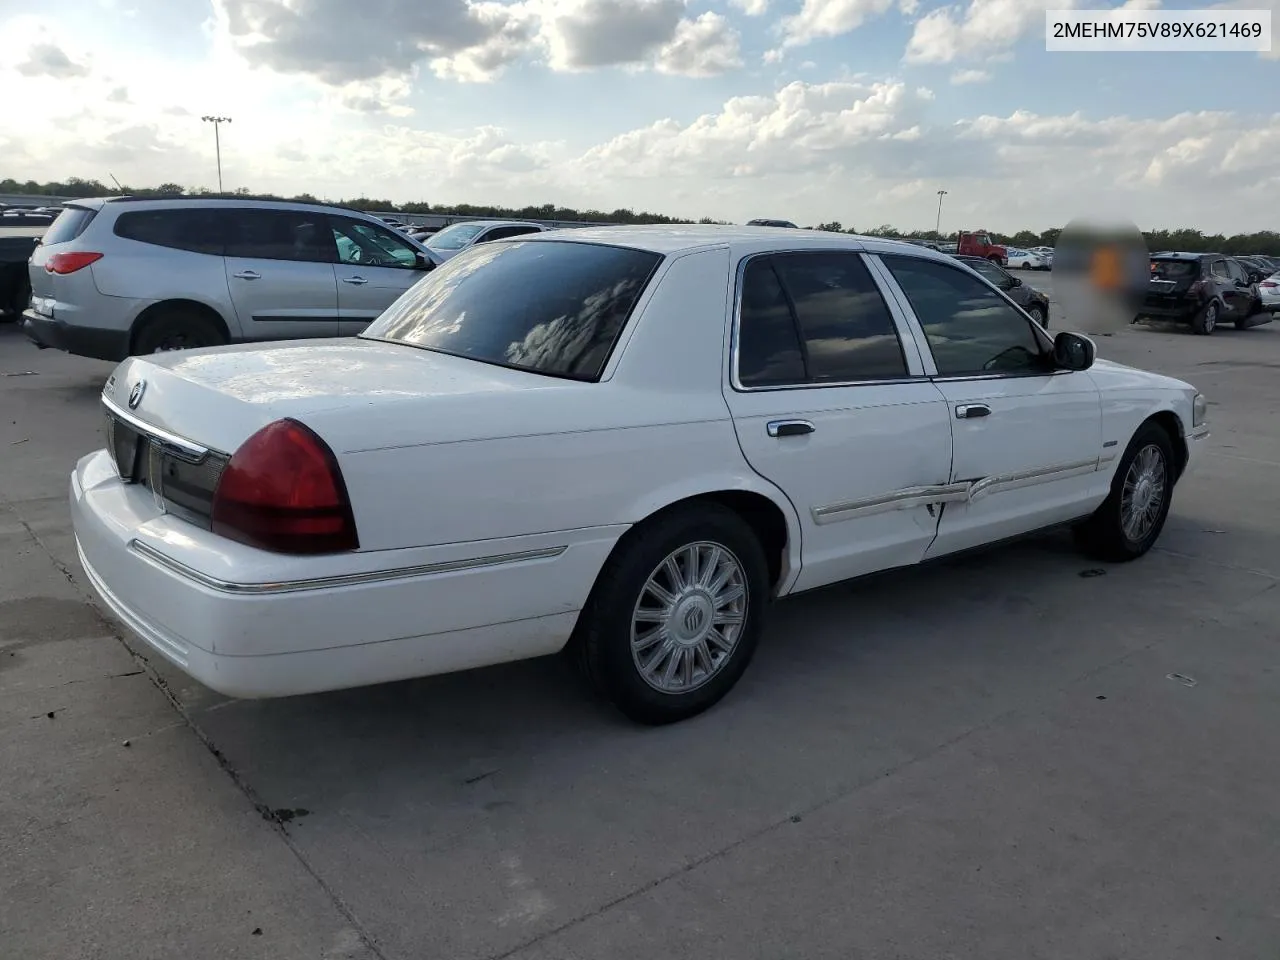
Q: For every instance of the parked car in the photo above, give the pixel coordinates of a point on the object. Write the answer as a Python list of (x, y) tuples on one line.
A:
[(452, 240), (1269, 293), (16, 248), (119, 276), (1257, 268), (1046, 252), (1033, 301), (1201, 290), (289, 518), (930, 244), (1019, 259), (772, 223)]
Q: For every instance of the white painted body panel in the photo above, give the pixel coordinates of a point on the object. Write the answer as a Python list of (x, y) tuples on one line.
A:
[(1041, 446), (487, 499)]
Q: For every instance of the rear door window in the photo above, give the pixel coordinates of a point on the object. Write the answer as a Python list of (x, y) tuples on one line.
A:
[(281, 235), (1218, 270), (70, 224), (194, 230), (552, 308), (1174, 269)]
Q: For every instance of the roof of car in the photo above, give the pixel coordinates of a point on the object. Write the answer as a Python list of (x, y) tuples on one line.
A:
[(229, 200), (687, 238)]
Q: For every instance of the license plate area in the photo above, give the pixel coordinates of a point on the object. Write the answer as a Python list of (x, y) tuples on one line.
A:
[(129, 451)]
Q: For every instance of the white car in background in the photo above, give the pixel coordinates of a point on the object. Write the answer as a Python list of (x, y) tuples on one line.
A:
[(514, 459), (452, 240), (1269, 291), (1026, 260)]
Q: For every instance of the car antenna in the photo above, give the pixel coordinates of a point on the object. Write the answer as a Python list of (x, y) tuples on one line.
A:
[(115, 181)]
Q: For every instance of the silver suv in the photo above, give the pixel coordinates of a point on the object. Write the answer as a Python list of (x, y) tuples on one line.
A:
[(119, 276)]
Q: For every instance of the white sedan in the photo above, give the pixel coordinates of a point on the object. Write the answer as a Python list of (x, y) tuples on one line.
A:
[(452, 240), (1027, 260), (623, 441)]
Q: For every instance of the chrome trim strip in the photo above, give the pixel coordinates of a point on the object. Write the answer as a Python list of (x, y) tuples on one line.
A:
[(150, 553), (1028, 478), (192, 450), (903, 499)]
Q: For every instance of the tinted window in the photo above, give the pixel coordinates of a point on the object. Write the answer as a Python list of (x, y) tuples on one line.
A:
[(196, 230), (1219, 269), (280, 235), (502, 233), (554, 308), (361, 242), (847, 329), (970, 328), (1174, 269), (989, 270), (1237, 271), (69, 225), (769, 352)]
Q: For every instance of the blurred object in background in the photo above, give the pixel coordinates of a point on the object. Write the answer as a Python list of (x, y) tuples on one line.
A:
[(1100, 275)]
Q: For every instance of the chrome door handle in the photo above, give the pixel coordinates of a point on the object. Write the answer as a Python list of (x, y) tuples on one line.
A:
[(247, 275), (968, 411), (789, 428), (356, 280)]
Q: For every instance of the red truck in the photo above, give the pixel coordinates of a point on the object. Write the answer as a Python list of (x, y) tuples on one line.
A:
[(978, 243)]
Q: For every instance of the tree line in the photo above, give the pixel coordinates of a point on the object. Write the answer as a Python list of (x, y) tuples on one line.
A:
[(1266, 242)]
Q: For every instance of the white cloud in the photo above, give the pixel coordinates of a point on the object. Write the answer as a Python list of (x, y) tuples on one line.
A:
[(752, 8), (50, 60), (704, 47), (1273, 6), (832, 18), (583, 34), (983, 27), (970, 76)]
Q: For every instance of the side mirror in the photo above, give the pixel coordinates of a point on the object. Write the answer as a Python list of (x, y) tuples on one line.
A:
[(1071, 351), (1015, 281), (423, 262)]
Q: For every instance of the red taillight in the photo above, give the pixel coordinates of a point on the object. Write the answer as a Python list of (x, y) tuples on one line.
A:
[(1196, 289), (283, 491), (64, 263), (1269, 283)]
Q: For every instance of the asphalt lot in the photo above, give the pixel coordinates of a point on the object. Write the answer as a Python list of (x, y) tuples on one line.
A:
[(1016, 755)]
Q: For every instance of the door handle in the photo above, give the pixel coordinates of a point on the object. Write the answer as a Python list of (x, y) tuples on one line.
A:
[(247, 275), (789, 428), (968, 411), (356, 280)]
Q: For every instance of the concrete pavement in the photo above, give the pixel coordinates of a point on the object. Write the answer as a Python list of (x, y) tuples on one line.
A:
[(1007, 756)]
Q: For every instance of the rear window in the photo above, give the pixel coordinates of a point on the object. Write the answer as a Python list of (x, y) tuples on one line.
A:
[(69, 225), (554, 308), (1174, 269)]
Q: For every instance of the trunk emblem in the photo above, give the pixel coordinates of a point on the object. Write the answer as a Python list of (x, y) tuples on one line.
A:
[(135, 395)]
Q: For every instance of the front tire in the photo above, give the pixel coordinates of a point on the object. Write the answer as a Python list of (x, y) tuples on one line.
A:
[(675, 615), (1037, 314), (1130, 520), (1205, 322)]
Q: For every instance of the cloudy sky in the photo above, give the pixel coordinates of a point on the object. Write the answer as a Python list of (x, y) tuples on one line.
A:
[(812, 110)]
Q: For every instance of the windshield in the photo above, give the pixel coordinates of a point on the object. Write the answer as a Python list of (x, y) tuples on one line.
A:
[(554, 307), (988, 270), (455, 237)]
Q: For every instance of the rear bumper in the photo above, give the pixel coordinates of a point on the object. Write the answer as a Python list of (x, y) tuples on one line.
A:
[(97, 343), (1176, 312), (348, 625)]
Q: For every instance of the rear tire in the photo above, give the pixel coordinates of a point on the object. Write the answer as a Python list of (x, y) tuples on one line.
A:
[(177, 329), (1129, 521), (675, 615), (1205, 322)]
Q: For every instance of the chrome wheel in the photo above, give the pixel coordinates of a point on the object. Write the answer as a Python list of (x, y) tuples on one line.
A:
[(1210, 318), (1142, 497), (689, 617)]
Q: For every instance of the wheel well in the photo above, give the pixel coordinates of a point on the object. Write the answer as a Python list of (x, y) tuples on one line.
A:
[(1168, 421), (762, 515), (164, 307)]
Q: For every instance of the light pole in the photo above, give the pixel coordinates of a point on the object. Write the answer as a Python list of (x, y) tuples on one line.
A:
[(937, 227), (217, 142)]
